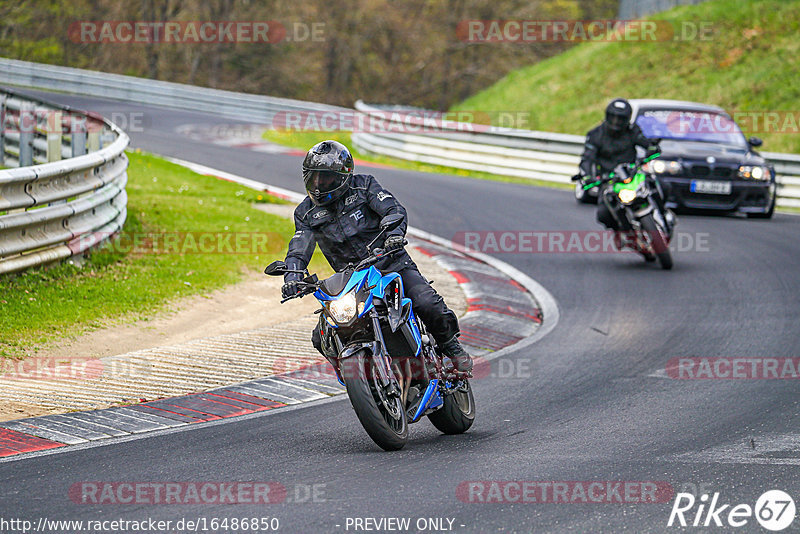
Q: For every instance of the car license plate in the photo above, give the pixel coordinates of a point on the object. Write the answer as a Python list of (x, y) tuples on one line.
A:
[(710, 187)]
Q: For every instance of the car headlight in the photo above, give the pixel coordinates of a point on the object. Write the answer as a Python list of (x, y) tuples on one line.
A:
[(343, 310), (756, 172), (663, 166), (626, 196)]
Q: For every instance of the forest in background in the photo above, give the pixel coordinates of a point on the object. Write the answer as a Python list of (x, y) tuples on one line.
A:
[(385, 51)]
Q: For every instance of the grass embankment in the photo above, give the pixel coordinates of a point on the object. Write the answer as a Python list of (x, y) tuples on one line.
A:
[(747, 64), (169, 207)]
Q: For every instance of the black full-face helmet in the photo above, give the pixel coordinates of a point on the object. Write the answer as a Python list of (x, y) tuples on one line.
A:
[(327, 169), (618, 115)]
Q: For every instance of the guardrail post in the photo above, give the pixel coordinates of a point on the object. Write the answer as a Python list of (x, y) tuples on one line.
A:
[(78, 129), (54, 133), (3, 132), (27, 127), (94, 141)]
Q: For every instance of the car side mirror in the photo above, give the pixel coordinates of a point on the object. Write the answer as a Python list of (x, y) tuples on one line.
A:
[(390, 222), (276, 268), (755, 142)]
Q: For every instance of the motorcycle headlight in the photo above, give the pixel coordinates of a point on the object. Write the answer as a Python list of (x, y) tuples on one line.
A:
[(343, 310), (626, 196), (756, 172)]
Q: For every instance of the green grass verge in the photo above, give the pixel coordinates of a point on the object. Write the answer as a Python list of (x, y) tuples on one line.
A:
[(305, 140), (114, 285), (748, 64)]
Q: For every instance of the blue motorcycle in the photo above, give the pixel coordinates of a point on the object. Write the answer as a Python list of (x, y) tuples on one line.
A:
[(382, 353)]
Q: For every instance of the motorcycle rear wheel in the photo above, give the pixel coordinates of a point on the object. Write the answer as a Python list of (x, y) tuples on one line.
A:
[(458, 412), (382, 424)]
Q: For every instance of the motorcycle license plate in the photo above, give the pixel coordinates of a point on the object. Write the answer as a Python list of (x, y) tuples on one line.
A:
[(710, 187)]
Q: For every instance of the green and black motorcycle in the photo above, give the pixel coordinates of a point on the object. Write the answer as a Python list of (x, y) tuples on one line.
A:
[(629, 191)]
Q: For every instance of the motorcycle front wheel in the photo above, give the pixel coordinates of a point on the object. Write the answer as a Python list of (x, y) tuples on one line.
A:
[(658, 241), (382, 416), (458, 412)]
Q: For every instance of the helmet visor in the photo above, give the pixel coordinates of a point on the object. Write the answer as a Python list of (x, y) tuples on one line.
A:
[(323, 182), (616, 122)]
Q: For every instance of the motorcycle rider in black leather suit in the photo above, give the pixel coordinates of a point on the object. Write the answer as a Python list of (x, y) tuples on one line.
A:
[(342, 215), (614, 142)]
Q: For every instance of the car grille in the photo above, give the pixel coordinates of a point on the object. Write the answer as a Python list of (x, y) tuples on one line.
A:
[(702, 171)]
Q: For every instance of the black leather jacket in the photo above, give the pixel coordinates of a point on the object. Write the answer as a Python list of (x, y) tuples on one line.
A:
[(344, 228), (604, 151)]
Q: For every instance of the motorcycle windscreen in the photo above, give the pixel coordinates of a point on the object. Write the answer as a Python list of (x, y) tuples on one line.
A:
[(335, 284)]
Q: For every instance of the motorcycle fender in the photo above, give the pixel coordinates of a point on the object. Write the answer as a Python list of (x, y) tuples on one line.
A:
[(374, 346), (349, 350), (613, 207), (644, 211)]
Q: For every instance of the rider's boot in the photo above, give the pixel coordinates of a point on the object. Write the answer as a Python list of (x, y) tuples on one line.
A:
[(453, 350)]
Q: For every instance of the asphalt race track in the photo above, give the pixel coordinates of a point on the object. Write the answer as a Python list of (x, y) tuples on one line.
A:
[(588, 402)]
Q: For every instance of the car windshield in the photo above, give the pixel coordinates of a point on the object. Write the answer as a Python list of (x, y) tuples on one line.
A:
[(682, 125)]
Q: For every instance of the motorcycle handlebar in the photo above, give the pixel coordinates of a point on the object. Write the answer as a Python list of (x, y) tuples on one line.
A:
[(377, 254), (305, 289)]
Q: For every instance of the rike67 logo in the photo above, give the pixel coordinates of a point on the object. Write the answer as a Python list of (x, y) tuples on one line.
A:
[(774, 510)]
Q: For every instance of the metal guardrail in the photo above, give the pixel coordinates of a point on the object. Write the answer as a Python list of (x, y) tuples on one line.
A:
[(511, 152), (250, 107), (506, 151), (65, 190)]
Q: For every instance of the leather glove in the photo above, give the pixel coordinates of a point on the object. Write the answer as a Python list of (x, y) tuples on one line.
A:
[(577, 178), (393, 242), (290, 289)]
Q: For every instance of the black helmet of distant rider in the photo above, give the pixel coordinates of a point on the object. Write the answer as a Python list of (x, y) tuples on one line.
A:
[(327, 169), (618, 116)]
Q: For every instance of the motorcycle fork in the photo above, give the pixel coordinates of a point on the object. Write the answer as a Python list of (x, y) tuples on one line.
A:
[(613, 208), (385, 373)]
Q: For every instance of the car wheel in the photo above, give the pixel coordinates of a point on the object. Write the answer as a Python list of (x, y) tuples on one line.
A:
[(767, 214)]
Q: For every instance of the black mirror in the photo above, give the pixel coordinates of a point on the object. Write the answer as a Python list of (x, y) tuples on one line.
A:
[(390, 222), (755, 142), (276, 268)]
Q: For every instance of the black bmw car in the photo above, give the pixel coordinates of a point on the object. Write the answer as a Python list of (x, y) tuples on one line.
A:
[(706, 162)]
